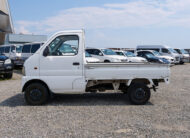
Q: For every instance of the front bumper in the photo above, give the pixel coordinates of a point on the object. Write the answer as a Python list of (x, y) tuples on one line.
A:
[(18, 62), (177, 60), (6, 69), (172, 61), (186, 60)]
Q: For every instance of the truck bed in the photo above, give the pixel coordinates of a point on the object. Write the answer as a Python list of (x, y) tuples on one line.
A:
[(123, 71)]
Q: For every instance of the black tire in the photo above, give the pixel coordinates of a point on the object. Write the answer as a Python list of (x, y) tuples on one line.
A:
[(36, 94), (139, 93), (8, 76), (181, 62), (106, 61)]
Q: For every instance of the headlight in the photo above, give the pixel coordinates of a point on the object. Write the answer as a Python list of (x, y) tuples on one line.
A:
[(161, 60), (8, 61), (144, 60)]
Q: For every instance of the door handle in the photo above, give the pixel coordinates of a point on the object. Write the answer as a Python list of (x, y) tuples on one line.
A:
[(76, 63)]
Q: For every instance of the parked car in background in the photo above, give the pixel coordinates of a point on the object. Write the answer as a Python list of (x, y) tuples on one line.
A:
[(163, 50), (89, 58), (6, 67), (131, 56), (106, 55), (13, 52), (184, 55), (157, 54), (151, 57), (28, 50)]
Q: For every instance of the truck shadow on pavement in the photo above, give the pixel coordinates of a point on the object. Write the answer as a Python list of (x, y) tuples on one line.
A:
[(87, 99)]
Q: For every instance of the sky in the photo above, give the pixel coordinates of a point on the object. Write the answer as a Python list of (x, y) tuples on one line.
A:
[(108, 23)]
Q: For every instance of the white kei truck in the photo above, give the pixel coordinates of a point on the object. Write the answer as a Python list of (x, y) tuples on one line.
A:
[(54, 69)]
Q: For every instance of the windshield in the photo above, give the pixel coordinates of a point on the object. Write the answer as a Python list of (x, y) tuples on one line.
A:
[(172, 50), (184, 51), (156, 53), (19, 49), (130, 54), (87, 54), (108, 52), (149, 55)]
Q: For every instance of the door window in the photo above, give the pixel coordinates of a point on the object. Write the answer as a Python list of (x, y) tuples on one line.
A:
[(35, 47), (140, 54), (7, 49), (26, 49), (2, 49), (90, 51), (97, 52), (164, 50), (66, 45)]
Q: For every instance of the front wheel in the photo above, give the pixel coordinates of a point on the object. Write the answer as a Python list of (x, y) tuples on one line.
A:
[(139, 93), (8, 75), (36, 94)]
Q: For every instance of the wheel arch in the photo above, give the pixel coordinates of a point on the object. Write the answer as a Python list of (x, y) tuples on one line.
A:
[(140, 80), (34, 81), (107, 60)]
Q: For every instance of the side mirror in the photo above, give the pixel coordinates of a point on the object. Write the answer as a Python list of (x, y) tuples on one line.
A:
[(46, 52)]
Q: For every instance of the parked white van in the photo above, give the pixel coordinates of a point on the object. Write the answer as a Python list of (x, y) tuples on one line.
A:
[(131, 56), (29, 49), (13, 52), (106, 55), (163, 50), (184, 55)]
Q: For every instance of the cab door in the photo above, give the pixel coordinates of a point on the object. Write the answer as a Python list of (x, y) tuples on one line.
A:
[(62, 67)]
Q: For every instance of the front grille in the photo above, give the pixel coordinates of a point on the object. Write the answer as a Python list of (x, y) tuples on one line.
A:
[(1, 63)]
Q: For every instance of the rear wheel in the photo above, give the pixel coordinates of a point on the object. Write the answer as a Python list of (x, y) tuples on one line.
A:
[(106, 61), (36, 94), (181, 62), (139, 93)]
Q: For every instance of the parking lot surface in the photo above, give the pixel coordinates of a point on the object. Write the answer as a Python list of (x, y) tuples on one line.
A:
[(98, 115)]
